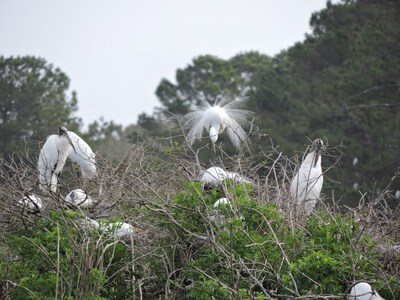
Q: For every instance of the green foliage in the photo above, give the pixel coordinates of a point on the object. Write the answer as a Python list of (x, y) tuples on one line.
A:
[(341, 83), (329, 259), (257, 250), (55, 257), (33, 102)]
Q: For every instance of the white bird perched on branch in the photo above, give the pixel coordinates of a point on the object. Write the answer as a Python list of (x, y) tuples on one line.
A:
[(216, 216), (223, 115), (363, 291), (80, 198), (215, 176), (307, 183), (55, 152)]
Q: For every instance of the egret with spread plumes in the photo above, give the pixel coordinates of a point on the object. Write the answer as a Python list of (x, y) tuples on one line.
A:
[(54, 154), (307, 183), (224, 115)]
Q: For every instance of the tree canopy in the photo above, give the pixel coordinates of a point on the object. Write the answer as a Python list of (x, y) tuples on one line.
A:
[(34, 101), (341, 83)]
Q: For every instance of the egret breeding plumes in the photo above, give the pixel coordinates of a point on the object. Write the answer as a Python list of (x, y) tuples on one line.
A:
[(363, 291), (225, 115), (54, 154), (214, 176), (80, 198), (306, 185)]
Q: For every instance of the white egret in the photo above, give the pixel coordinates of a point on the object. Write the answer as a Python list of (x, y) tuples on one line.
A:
[(222, 201), (80, 198), (118, 229), (397, 194), (214, 176), (355, 161), (55, 152), (307, 183), (364, 291), (32, 202), (217, 216), (223, 115)]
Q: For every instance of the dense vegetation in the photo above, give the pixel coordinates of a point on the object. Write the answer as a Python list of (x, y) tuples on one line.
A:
[(340, 84)]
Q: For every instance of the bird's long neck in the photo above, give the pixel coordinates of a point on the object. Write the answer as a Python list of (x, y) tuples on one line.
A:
[(313, 159), (64, 149)]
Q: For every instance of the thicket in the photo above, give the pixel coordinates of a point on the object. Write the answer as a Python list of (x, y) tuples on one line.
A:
[(185, 248)]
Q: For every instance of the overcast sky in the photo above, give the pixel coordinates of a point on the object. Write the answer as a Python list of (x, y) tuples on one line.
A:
[(117, 52)]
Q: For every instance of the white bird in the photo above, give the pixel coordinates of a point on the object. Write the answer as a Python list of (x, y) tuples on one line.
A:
[(223, 115), (307, 183), (88, 223), (80, 198), (118, 229), (222, 201), (83, 156), (215, 176), (364, 291), (32, 202), (216, 215), (397, 195), (355, 161), (54, 154)]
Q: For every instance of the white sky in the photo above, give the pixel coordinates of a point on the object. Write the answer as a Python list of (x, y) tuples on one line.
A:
[(116, 52)]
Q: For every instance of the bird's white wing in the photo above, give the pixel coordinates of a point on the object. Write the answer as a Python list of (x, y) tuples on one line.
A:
[(83, 155), (235, 132), (213, 176), (47, 161), (194, 121), (237, 178), (306, 187)]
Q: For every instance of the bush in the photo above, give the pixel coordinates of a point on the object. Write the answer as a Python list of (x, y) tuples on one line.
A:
[(185, 248)]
